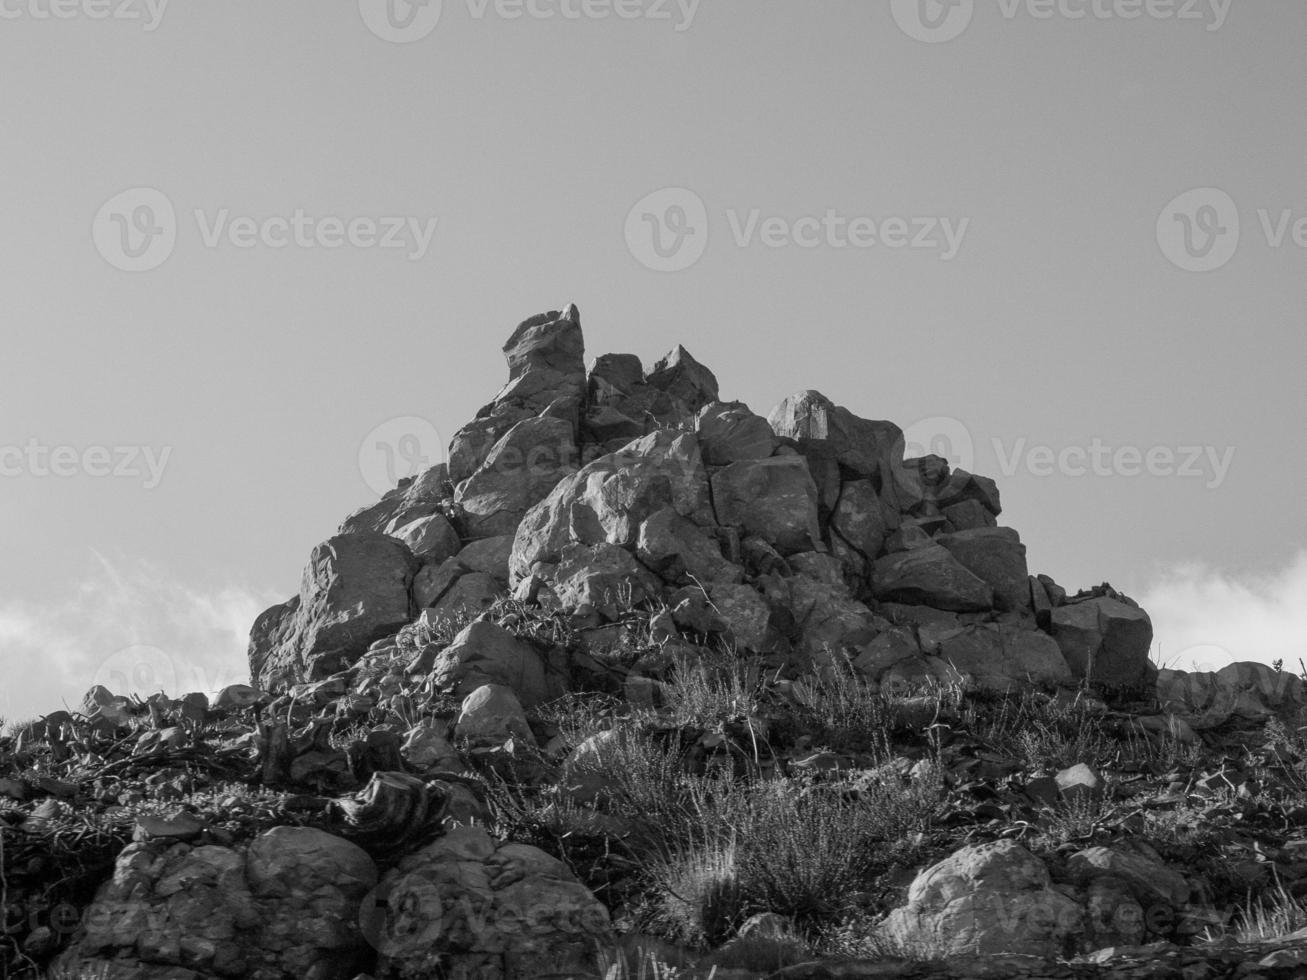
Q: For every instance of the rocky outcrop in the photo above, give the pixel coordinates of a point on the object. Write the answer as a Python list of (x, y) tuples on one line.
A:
[(597, 493)]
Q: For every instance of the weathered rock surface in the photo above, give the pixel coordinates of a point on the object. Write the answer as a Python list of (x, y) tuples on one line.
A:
[(773, 499), (1247, 692), (355, 590), (990, 900), (930, 576), (477, 908), (484, 653), (286, 907), (608, 500)]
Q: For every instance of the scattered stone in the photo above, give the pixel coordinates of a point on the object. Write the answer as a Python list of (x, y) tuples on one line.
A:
[(989, 900)]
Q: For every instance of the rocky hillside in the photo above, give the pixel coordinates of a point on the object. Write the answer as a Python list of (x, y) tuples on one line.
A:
[(642, 683)]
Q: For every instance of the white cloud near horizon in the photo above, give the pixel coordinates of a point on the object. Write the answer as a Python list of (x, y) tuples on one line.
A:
[(129, 625), (1204, 618)]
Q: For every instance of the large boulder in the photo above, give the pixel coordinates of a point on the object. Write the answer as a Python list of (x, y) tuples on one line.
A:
[(862, 447), (773, 499), (355, 589), (996, 556), (469, 906), (987, 900), (679, 551), (1105, 640), (684, 379), (602, 577), (930, 576), (860, 524), (491, 715), (485, 653), (431, 538), (608, 500), (729, 433), (517, 473), (284, 907), (1247, 693), (993, 657)]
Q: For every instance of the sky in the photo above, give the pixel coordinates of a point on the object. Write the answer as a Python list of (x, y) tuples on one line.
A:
[(257, 257)]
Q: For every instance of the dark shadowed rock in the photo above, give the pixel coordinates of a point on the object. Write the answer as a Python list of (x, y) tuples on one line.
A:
[(773, 499), (930, 576), (864, 448), (729, 433), (1105, 640), (481, 908), (996, 556)]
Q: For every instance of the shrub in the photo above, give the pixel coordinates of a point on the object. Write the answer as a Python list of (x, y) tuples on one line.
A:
[(784, 846)]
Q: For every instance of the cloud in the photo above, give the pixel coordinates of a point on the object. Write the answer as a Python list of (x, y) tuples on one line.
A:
[(129, 625), (1204, 619)]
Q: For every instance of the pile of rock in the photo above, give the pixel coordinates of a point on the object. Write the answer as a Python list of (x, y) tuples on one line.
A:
[(805, 537)]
